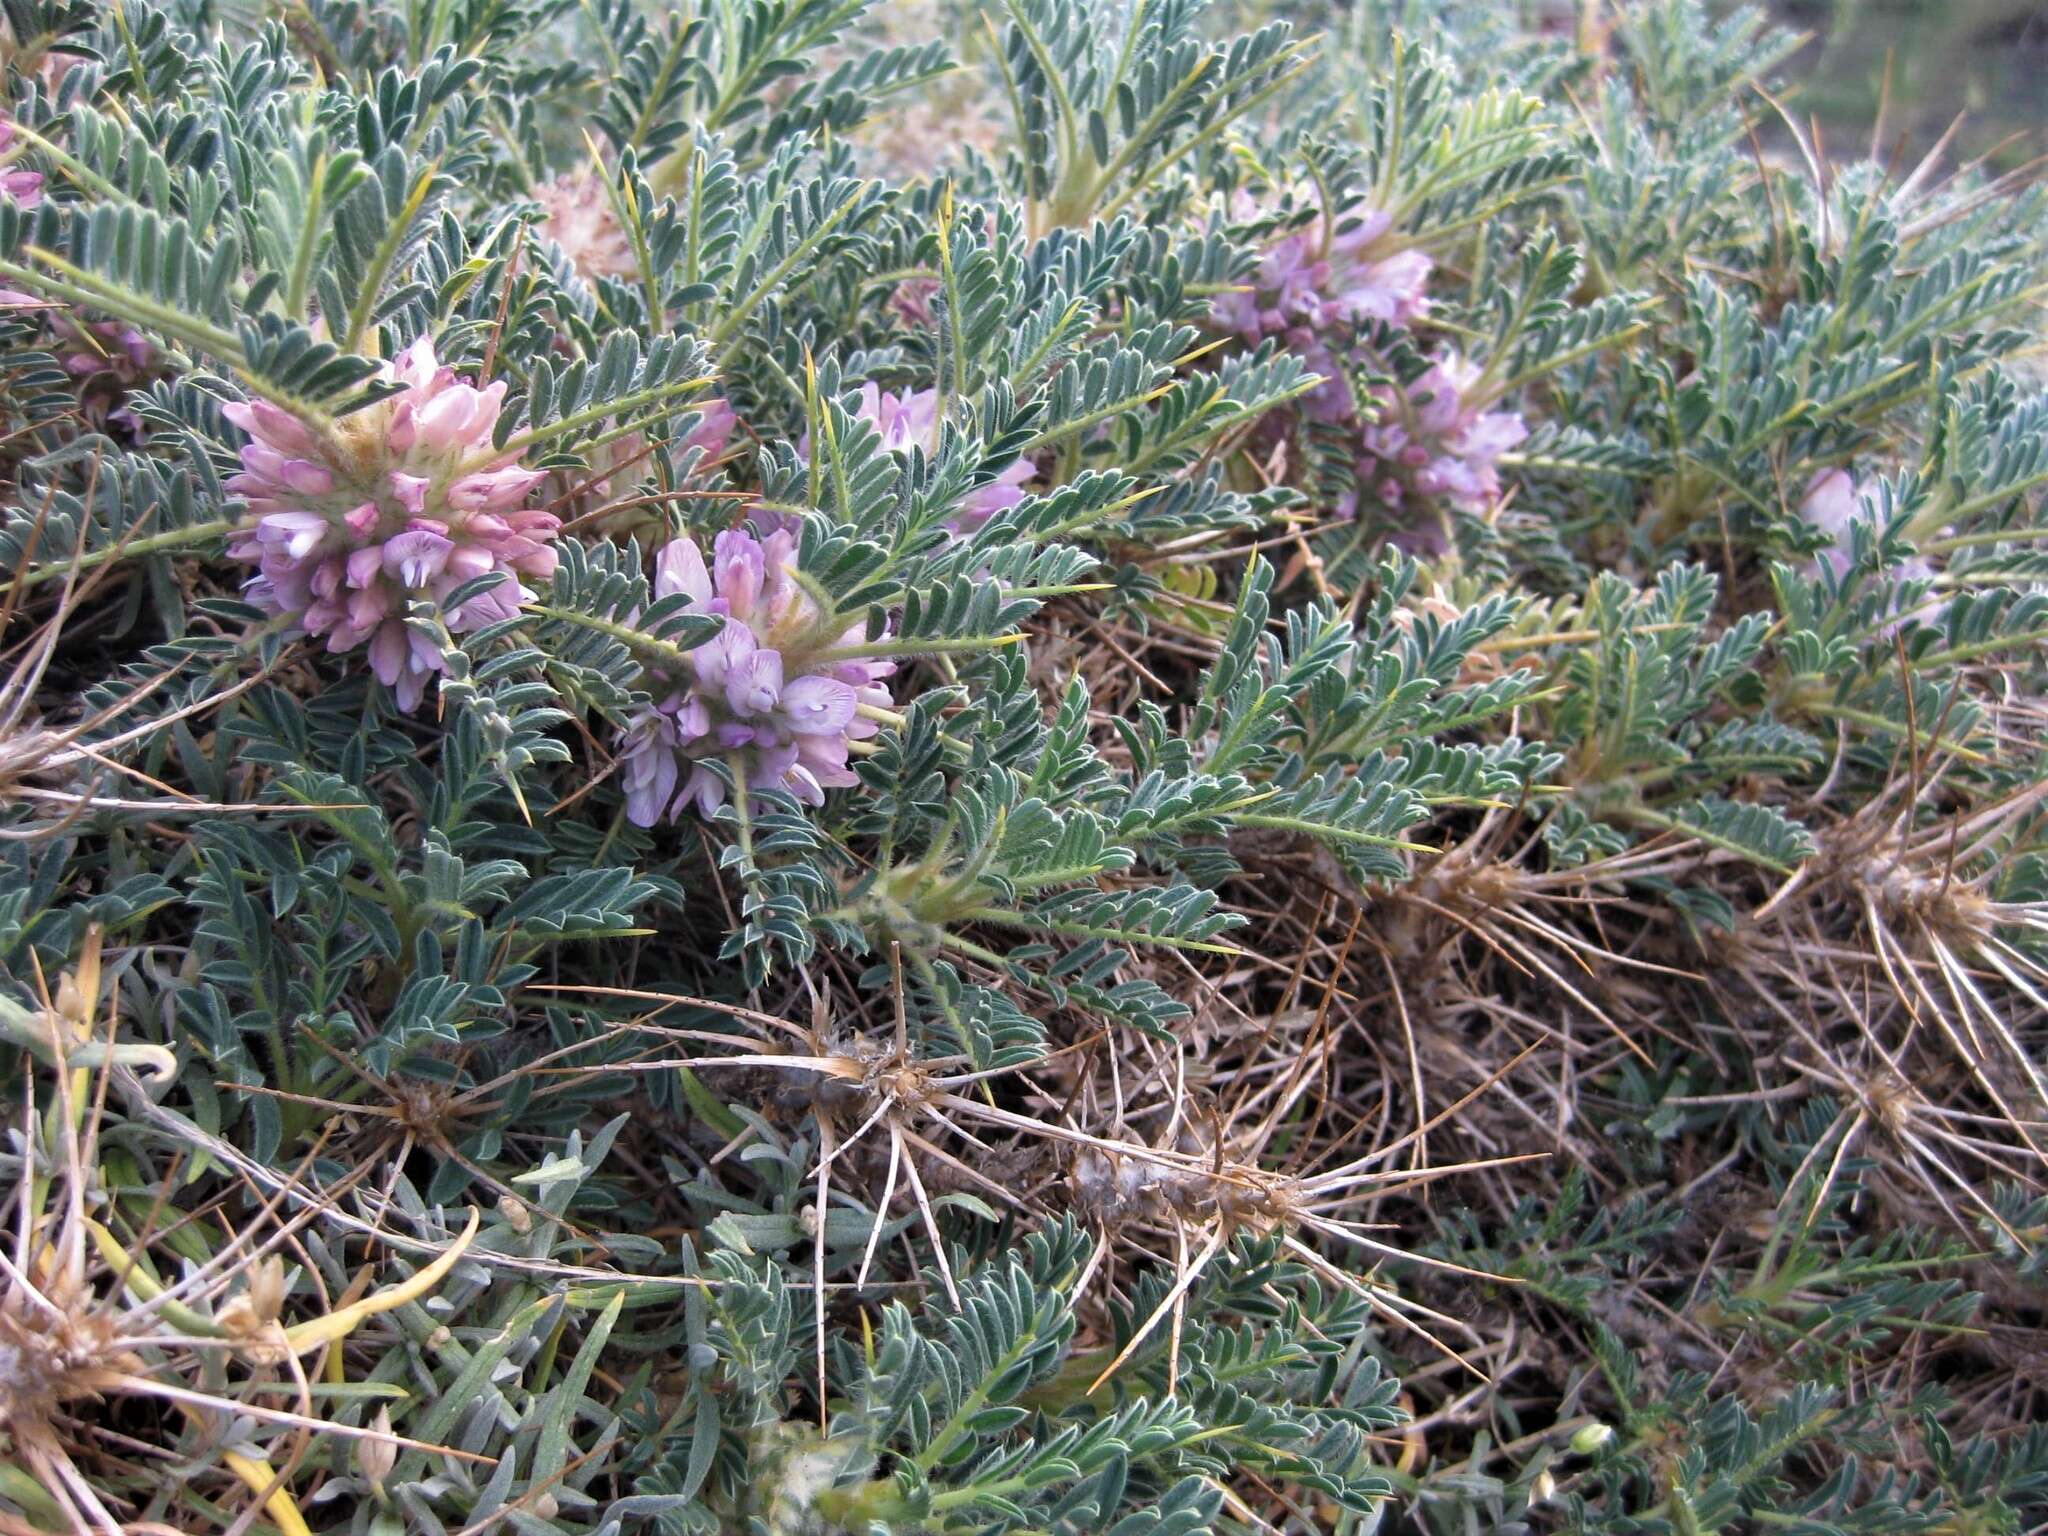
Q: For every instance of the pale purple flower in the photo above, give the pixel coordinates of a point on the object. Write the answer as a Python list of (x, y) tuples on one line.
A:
[(106, 357), (406, 501), (1321, 289), (905, 421), (912, 420), (1350, 270), (1831, 503), (767, 692), (1286, 289), (579, 218), (716, 424), (1330, 400), (1369, 280), (17, 184), (912, 301), (1431, 439), (91, 348)]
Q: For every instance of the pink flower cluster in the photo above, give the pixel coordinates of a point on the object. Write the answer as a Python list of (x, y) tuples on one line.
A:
[(1333, 275), (579, 218), (913, 420), (1430, 439), (768, 690), (17, 185), (405, 501), (1322, 290), (1334, 271)]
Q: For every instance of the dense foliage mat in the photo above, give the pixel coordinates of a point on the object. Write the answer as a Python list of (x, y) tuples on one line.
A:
[(1049, 766)]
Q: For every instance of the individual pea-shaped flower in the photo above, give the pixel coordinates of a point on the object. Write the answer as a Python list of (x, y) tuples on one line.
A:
[(1284, 291), (716, 423), (579, 218), (774, 693), (406, 500), (103, 347), (1330, 401), (17, 183), (1372, 277), (1830, 503)]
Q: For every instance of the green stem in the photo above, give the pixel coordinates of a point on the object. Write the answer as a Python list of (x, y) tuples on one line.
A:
[(665, 651), (1888, 727), (1082, 423), (1215, 129), (192, 536), (1631, 812), (723, 339), (1006, 919), (309, 241), (519, 443), (83, 287), (861, 650), (384, 258), (1341, 834), (1978, 648), (955, 1428)]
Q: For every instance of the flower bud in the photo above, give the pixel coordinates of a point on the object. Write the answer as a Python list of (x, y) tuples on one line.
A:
[(1588, 1438), (376, 1458)]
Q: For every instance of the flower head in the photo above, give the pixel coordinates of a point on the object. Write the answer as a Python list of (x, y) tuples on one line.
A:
[(769, 692), (1344, 270), (579, 218), (1432, 438), (405, 501)]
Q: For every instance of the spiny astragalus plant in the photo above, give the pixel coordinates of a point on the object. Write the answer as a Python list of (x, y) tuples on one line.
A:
[(803, 766)]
